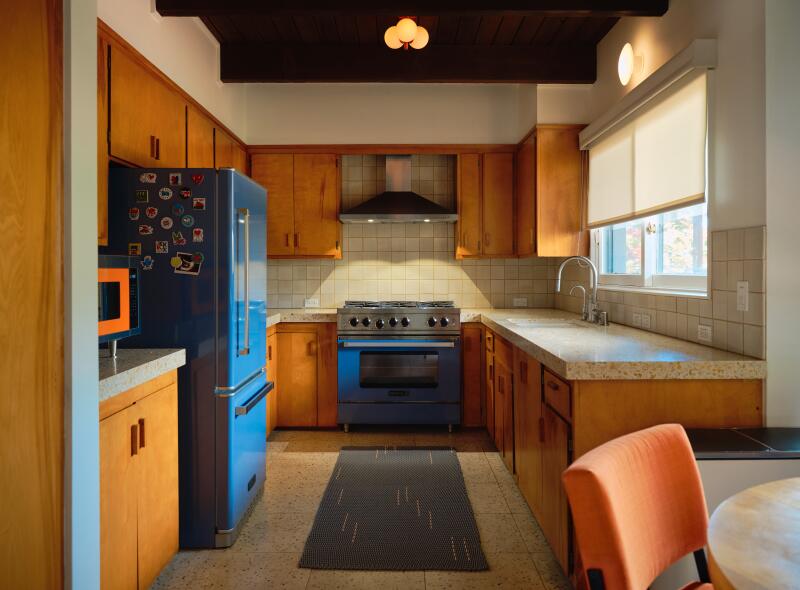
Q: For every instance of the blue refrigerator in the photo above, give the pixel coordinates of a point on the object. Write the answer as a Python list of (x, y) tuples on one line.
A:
[(200, 235)]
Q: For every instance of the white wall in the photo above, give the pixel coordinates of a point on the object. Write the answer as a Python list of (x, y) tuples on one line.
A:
[(783, 205), (737, 169), (389, 113), (564, 103), (184, 50), (81, 427)]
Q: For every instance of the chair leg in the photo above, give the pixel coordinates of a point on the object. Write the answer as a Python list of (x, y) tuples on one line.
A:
[(702, 566), (596, 581)]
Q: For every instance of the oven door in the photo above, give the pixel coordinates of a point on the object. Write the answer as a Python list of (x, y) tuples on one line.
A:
[(425, 370)]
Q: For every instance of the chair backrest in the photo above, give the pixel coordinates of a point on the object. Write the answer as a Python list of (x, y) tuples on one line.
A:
[(638, 505)]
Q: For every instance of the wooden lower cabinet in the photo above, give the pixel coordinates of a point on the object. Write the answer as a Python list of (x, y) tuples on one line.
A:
[(307, 372), (528, 429), (272, 375), (472, 403), (139, 484), (554, 518), (488, 383), (504, 401)]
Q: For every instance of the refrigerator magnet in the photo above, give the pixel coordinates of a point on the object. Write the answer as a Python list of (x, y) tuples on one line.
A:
[(198, 257), (197, 235), (175, 179), (135, 249), (145, 230), (147, 262), (199, 203), (165, 194), (178, 210), (175, 261), (142, 195), (151, 212), (197, 178), (187, 266), (178, 239), (133, 213), (186, 192), (166, 223), (187, 220), (162, 247), (147, 177)]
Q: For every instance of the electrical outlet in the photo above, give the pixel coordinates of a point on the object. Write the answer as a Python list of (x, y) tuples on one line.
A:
[(704, 333), (646, 321), (312, 303), (520, 302), (743, 296), (637, 320)]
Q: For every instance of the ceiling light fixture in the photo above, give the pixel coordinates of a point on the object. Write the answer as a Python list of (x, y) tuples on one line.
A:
[(406, 33)]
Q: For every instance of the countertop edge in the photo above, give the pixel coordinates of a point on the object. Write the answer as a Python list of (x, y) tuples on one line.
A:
[(134, 376)]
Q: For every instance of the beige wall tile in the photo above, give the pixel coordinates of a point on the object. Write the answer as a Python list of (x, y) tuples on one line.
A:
[(754, 243)]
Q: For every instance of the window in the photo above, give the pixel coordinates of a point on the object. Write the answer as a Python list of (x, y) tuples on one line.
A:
[(664, 251)]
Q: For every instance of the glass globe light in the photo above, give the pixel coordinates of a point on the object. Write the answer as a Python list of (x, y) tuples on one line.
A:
[(421, 38), (391, 38), (406, 30)]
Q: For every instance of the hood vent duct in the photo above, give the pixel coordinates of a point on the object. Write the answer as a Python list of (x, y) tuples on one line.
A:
[(398, 204)]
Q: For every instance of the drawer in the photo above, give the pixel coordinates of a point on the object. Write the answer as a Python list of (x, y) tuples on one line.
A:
[(489, 341), (557, 395)]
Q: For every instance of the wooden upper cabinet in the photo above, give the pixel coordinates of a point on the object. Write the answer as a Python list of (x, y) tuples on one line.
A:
[(468, 228), (239, 158), (316, 205), (498, 204), (200, 137), (229, 153), (550, 193), (275, 172), (148, 118)]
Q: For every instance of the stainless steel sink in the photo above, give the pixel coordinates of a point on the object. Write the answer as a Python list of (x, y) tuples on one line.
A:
[(545, 323)]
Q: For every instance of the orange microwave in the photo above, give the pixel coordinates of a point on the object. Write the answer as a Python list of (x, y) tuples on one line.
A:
[(117, 298)]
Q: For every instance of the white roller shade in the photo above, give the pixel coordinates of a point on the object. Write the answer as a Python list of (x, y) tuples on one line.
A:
[(656, 161)]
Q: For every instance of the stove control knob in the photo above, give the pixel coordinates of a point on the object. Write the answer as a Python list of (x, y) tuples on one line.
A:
[(431, 322), (379, 323), (393, 322), (365, 321), (444, 322), (405, 322), (354, 322)]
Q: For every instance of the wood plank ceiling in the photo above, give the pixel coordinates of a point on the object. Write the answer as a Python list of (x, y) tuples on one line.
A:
[(545, 41)]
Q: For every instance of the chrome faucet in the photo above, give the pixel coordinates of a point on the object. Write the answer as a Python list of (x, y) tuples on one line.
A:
[(590, 311)]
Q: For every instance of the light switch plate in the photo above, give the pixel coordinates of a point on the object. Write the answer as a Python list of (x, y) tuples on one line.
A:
[(637, 320), (312, 303), (520, 302), (646, 321), (704, 333), (743, 296)]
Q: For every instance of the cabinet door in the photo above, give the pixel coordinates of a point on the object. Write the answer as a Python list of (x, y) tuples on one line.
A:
[(223, 149), (168, 118), (503, 401), (500, 390), (472, 364), (327, 387), (555, 458), (200, 134), (239, 158), (498, 204), (527, 429), (489, 390), (118, 503), (297, 374), (468, 227), (559, 195), (156, 417), (272, 375), (316, 205), (275, 172), (526, 197), (133, 92)]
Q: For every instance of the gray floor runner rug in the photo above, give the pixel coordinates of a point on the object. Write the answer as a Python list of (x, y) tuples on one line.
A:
[(395, 508)]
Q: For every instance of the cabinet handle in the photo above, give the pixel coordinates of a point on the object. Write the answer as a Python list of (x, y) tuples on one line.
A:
[(152, 146), (141, 433), (486, 238), (134, 440), (158, 148), (541, 429), (269, 353), (479, 246), (297, 240), (552, 385)]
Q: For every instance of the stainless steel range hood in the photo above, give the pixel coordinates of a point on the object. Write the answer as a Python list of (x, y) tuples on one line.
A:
[(398, 204)]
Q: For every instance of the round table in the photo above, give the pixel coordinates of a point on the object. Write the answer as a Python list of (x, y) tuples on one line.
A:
[(754, 538)]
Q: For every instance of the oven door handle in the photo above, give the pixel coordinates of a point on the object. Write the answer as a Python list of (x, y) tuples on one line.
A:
[(397, 344)]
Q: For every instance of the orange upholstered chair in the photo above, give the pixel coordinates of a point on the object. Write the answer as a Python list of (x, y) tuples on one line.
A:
[(638, 506)]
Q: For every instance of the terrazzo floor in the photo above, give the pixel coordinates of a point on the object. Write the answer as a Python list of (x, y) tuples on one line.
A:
[(299, 464)]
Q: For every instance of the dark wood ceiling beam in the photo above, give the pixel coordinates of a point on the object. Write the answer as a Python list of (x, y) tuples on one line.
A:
[(547, 8), (435, 63)]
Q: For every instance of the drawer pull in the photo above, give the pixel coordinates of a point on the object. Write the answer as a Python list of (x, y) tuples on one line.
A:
[(141, 433), (134, 440), (552, 385)]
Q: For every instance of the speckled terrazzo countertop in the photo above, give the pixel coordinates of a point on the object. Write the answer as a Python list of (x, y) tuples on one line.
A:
[(311, 314), (134, 366), (578, 350)]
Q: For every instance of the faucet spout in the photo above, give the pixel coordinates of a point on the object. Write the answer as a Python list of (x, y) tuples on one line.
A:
[(584, 262)]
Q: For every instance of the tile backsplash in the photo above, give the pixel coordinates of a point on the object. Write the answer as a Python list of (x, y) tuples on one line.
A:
[(735, 255)]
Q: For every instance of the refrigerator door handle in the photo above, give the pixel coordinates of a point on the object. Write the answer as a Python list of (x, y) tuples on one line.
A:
[(253, 401), (245, 213)]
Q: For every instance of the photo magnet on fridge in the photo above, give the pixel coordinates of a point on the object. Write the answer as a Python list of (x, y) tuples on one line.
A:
[(197, 235), (135, 249), (133, 213), (147, 262), (162, 247), (178, 210), (146, 230), (151, 212), (199, 203), (186, 264), (175, 179), (166, 222), (165, 194), (186, 192), (147, 177), (187, 220), (142, 195), (197, 178), (178, 239)]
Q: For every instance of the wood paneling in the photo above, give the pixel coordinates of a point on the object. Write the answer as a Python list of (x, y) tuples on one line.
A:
[(275, 172), (157, 419), (298, 375), (272, 375), (31, 306), (102, 142), (327, 388), (468, 227), (471, 379), (317, 230), (526, 197), (200, 139), (498, 204), (527, 429), (603, 410)]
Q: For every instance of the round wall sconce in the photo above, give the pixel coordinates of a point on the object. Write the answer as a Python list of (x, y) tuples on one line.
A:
[(628, 63)]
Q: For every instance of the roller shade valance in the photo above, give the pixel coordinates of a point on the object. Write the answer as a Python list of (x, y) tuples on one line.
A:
[(656, 160)]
